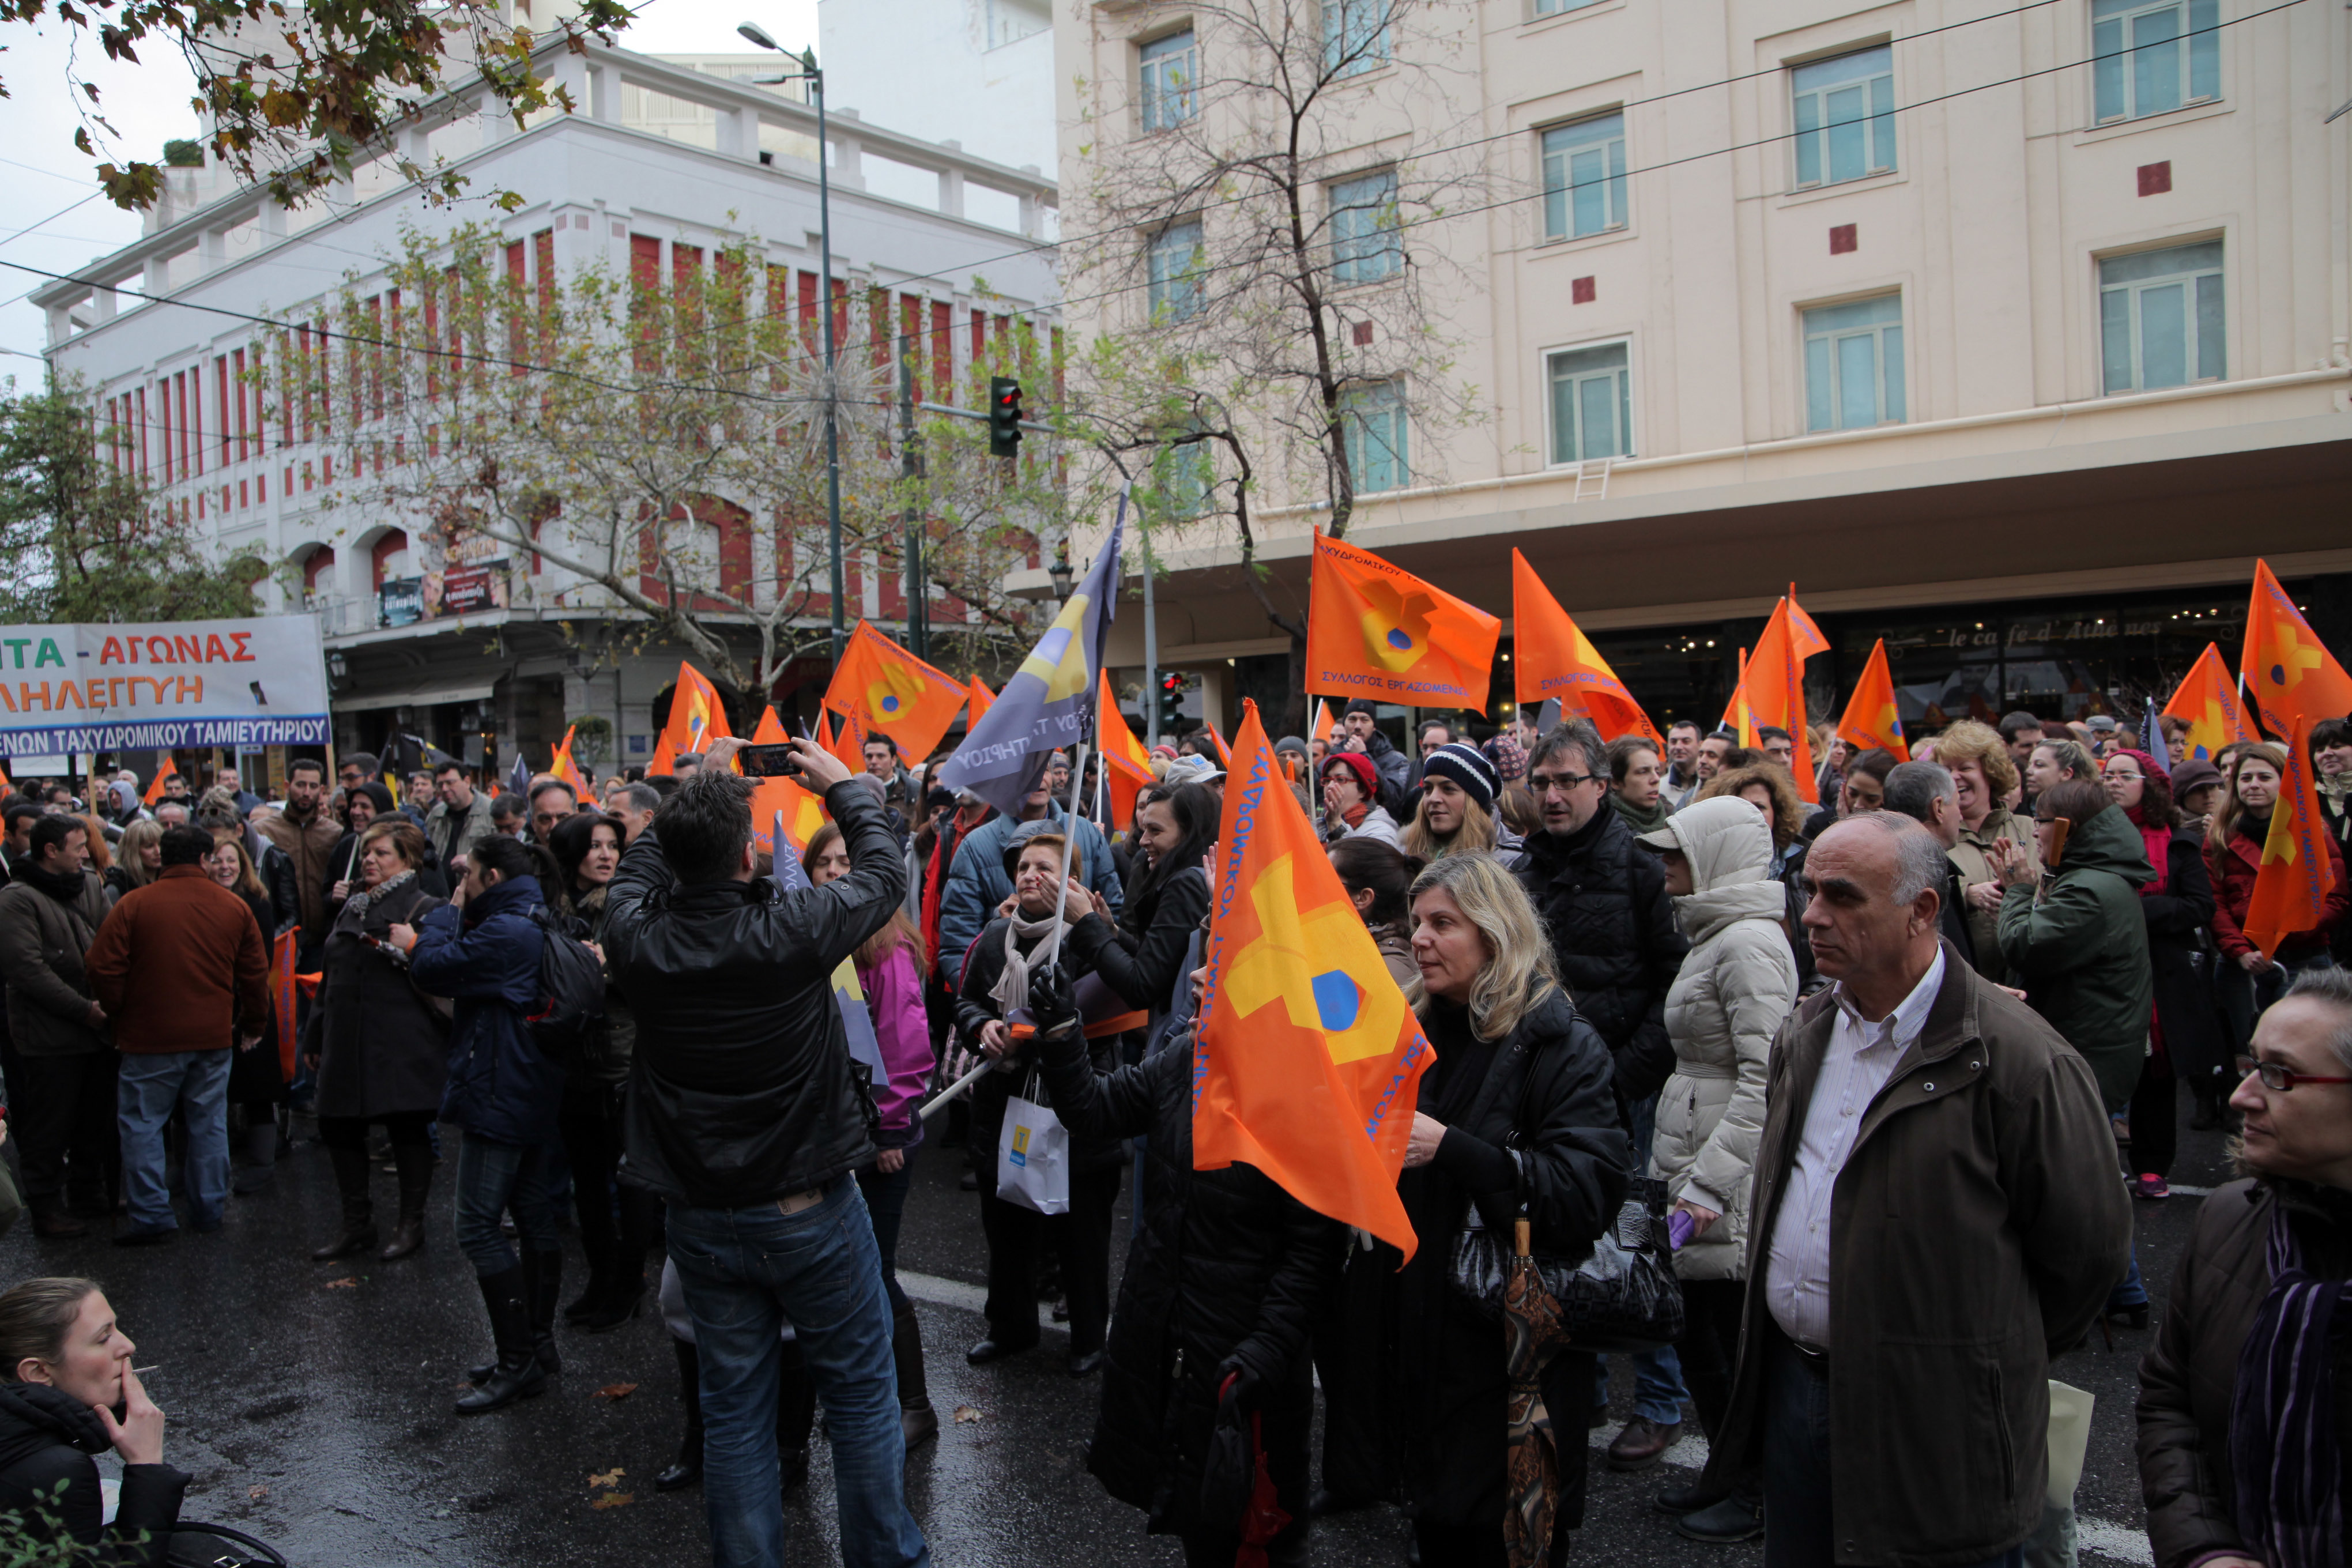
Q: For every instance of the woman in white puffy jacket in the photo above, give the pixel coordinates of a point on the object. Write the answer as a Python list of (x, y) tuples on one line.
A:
[(1724, 1008)]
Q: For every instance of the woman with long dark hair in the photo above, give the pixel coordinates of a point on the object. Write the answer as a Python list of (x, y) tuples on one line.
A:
[(256, 1078), (1142, 958), (1379, 879)]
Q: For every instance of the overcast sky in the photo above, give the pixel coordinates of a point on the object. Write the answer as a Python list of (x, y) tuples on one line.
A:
[(50, 213)]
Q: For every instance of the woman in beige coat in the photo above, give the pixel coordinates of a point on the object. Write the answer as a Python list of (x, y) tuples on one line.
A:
[(1722, 1012)]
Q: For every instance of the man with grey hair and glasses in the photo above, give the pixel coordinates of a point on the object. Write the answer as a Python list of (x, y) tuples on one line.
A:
[(1961, 1147)]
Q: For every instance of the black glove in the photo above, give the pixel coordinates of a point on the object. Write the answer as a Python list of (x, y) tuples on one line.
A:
[(1051, 1003)]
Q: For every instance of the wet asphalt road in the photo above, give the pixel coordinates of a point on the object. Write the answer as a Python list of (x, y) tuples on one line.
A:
[(312, 1404)]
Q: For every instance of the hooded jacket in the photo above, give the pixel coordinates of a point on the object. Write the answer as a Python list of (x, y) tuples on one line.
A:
[(2079, 946), (485, 959), (1734, 991), (46, 1439)]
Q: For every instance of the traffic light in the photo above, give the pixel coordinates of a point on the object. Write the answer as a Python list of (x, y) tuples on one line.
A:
[(1172, 702), (1004, 416)]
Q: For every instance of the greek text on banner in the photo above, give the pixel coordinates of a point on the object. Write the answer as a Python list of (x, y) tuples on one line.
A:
[(86, 687)]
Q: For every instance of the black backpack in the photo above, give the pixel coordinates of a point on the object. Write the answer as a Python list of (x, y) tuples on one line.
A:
[(568, 1026)]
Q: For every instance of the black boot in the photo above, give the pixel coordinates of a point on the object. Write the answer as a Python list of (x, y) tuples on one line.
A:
[(518, 1375), (544, 1270), (359, 1215), (916, 1416), (53, 1221), (795, 1414), (689, 1466), (589, 1303), (624, 1298), (416, 1162)]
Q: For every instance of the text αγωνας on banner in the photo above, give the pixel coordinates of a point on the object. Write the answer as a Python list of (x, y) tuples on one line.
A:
[(97, 688)]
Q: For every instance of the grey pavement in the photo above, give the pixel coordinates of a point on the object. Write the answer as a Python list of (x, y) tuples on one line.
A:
[(313, 1403)]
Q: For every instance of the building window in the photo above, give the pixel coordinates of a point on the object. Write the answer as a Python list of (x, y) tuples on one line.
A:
[(2147, 58), (1558, 7), (1170, 90), (1355, 36), (1365, 244), (1584, 177), (1372, 420), (1854, 364), (1182, 476), (2160, 318), (1178, 291), (1844, 115), (1591, 403)]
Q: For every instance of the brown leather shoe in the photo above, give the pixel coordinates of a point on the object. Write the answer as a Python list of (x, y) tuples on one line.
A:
[(53, 1221), (1642, 1443)]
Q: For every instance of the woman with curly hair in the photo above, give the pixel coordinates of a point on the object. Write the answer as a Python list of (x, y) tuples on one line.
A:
[(1768, 787), (1984, 774)]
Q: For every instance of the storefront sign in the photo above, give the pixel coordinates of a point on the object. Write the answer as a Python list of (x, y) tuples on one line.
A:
[(400, 602), (258, 682), (465, 590)]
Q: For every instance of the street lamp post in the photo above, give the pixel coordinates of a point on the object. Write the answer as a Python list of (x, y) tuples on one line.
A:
[(810, 74)]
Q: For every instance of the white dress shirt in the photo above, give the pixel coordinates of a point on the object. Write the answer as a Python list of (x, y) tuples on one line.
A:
[(1860, 1059)]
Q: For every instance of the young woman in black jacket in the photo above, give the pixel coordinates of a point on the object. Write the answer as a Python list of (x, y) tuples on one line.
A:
[(1142, 957), (64, 1371)]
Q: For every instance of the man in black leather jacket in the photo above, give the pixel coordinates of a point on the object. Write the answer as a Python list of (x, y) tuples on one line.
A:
[(747, 1115)]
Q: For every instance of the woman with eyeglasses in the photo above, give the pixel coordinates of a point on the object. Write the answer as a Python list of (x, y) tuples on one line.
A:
[(2240, 1442)]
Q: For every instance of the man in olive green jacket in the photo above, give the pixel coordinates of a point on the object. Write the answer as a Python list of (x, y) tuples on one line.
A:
[(1936, 1213)]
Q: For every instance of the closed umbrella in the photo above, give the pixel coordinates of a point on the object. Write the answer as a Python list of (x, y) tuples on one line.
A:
[(1533, 1334)]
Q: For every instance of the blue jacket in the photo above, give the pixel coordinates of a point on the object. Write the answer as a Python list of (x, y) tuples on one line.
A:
[(485, 959), (977, 883)]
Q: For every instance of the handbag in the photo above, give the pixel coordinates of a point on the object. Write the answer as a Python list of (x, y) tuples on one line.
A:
[(195, 1544), (1033, 1154)]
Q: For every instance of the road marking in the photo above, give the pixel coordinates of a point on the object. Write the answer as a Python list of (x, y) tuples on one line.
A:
[(964, 1298)]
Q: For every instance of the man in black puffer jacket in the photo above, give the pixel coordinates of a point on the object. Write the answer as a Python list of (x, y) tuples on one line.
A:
[(746, 1115), (1603, 898)]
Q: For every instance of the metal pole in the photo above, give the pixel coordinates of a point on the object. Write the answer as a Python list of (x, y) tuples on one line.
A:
[(919, 609), (832, 429), (1150, 650)]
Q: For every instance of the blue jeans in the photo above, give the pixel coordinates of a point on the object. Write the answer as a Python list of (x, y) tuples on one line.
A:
[(1658, 1392), (493, 1177), (152, 1083), (744, 1273), (1799, 1527)]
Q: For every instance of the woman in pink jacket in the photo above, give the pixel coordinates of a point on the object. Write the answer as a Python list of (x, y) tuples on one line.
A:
[(890, 972)]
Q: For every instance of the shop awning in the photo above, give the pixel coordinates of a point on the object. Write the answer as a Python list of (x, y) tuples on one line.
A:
[(427, 694)]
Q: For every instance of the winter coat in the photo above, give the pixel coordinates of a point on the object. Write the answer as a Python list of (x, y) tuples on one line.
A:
[(604, 1063), (179, 964), (1377, 825), (1603, 900), (309, 844), (43, 941), (2079, 946), (383, 1047), (974, 1010), (2190, 1376), (977, 883), (1226, 1270), (1734, 991), (2241, 859), (1143, 962), (485, 959), (1395, 943), (893, 996), (257, 1074), (1547, 1088), (343, 866), (1976, 1228), (1976, 869), (448, 834), (1395, 771), (46, 1440), (2180, 956), (742, 1090)]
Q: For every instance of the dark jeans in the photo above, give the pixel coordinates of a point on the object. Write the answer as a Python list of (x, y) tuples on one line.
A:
[(2154, 1118), (402, 1127), (493, 1177), (1712, 1310), (744, 1273), (886, 1202), (64, 1122), (1082, 1236), (1799, 1525), (148, 1087), (589, 1122)]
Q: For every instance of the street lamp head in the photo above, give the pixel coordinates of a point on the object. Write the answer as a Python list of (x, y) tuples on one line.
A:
[(757, 37), (1061, 573)]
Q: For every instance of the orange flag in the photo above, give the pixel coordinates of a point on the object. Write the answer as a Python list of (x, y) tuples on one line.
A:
[(283, 996), (168, 770), (1224, 752), (1739, 717), (1128, 763), (1871, 723), (847, 741), (2289, 673), (1772, 684), (1375, 630), (1323, 723), (982, 700), (2290, 888), (893, 692), (697, 718), (564, 768), (1307, 1062), (2207, 701), (1553, 658), (801, 811)]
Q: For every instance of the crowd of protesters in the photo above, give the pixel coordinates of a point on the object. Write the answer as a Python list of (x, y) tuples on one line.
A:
[(1952, 1005)]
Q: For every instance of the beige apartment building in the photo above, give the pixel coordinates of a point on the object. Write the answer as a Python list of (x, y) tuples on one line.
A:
[(2011, 333)]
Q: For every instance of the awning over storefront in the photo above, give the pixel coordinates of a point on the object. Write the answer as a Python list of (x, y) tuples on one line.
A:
[(428, 694)]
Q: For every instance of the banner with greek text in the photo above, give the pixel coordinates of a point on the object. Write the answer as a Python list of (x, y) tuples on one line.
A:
[(258, 682)]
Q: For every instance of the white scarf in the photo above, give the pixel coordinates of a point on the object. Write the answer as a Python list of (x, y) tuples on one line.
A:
[(1011, 992)]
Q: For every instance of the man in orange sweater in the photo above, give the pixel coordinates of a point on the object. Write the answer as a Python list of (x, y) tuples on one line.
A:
[(181, 970)]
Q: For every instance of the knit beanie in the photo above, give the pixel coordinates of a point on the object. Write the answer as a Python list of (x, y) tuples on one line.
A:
[(1509, 757), (1466, 766)]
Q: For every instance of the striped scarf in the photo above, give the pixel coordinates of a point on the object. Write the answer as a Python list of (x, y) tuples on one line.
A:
[(2283, 1437)]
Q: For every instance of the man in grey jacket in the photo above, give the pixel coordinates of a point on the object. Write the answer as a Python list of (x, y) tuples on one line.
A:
[(63, 1082), (462, 815)]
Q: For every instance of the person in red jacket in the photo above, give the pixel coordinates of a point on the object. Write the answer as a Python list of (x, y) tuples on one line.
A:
[(203, 979), (2248, 981)]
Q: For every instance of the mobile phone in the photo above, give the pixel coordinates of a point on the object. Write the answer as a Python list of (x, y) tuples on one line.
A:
[(770, 762)]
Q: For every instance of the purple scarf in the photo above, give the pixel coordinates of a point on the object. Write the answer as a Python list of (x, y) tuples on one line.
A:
[(2283, 1437)]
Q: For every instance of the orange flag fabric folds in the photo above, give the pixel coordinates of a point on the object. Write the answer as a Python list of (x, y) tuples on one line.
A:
[(981, 697), (2207, 701), (1772, 684), (282, 995), (1553, 658), (2289, 673), (802, 812), (1376, 631), (893, 692), (697, 718), (168, 770), (2291, 886), (1307, 1062), (1323, 723), (1871, 721), (563, 767), (1128, 764)]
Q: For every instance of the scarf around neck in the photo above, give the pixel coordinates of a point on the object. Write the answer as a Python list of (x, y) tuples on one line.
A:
[(1011, 992), (366, 897), (2282, 1436)]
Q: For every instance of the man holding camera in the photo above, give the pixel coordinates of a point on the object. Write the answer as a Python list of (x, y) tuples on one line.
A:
[(746, 1115)]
